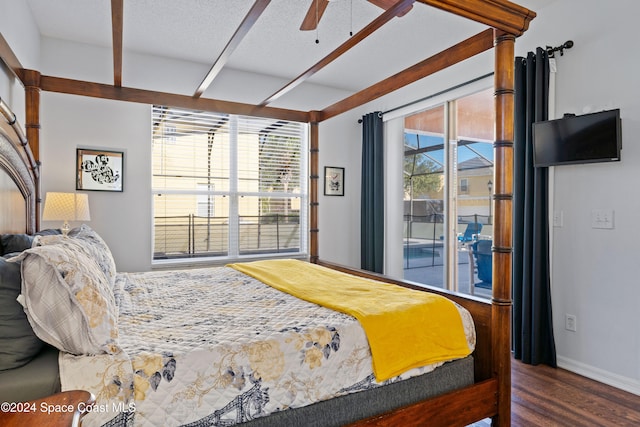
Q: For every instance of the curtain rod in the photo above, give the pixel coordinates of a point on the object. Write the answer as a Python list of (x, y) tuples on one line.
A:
[(10, 117), (452, 88), (442, 92)]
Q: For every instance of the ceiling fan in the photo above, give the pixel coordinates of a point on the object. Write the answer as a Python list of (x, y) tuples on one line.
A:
[(317, 8)]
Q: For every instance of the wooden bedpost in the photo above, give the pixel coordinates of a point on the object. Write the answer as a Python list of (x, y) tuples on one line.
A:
[(502, 243), (32, 103), (313, 192)]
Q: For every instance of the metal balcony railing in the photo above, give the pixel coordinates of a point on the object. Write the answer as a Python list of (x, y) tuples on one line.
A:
[(192, 236)]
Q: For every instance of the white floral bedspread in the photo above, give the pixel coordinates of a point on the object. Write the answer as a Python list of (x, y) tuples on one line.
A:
[(216, 347)]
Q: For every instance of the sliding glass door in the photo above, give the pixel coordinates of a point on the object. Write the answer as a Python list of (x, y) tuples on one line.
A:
[(424, 197), (448, 179)]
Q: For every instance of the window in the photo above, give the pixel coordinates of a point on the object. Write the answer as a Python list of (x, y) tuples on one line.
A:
[(227, 186), (464, 185), (447, 193)]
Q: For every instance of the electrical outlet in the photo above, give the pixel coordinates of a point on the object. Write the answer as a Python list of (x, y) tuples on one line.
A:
[(570, 322), (602, 218)]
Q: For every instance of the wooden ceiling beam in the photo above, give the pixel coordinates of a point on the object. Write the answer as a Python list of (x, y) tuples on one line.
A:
[(10, 59), (400, 7), (105, 91), (117, 18), (247, 23), (457, 53), (500, 14)]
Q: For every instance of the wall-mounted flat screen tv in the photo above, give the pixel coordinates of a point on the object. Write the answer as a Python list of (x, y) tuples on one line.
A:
[(587, 138)]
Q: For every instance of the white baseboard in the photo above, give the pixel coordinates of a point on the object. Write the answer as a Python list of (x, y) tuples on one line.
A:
[(600, 375)]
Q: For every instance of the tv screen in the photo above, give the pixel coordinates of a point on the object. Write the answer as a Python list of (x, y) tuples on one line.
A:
[(588, 138)]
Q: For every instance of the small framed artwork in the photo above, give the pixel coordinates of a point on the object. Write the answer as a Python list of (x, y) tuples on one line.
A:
[(99, 170), (333, 181)]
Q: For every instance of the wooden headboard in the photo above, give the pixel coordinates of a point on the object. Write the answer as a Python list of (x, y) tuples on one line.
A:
[(18, 184)]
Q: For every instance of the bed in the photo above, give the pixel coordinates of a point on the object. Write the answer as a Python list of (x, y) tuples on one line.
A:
[(215, 346), (482, 387), (210, 346)]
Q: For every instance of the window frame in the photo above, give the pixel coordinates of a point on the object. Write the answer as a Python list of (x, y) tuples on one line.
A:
[(453, 190), (237, 193), (464, 186)]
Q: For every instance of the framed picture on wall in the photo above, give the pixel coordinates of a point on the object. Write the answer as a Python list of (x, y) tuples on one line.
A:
[(99, 170), (333, 181)]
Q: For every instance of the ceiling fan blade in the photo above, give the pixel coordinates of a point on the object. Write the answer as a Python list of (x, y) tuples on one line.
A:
[(386, 4), (314, 14)]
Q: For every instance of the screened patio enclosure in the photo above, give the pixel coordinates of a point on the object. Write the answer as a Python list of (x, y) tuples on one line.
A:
[(447, 191)]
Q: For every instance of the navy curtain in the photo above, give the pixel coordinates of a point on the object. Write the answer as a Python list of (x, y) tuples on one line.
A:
[(533, 340), (372, 203)]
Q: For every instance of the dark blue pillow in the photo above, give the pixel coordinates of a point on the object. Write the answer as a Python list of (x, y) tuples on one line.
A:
[(18, 342), (19, 242), (14, 243)]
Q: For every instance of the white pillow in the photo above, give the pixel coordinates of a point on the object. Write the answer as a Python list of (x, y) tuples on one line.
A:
[(68, 300), (101, 252), (92, 244)]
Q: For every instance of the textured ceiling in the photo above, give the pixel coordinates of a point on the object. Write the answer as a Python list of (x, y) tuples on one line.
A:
[(198, 30)]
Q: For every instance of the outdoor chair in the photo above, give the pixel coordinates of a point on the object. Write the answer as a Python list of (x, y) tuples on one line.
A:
[(482, 254), (471, 233)]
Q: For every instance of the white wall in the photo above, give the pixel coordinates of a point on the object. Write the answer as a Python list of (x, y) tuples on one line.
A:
[(122, 219), (594, 270), (339, 216), (19, 31)]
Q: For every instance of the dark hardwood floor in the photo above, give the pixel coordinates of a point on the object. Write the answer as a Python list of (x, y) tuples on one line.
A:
[(544, 396)]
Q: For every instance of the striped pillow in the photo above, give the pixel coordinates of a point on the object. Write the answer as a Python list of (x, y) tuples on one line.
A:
[(68, 299)]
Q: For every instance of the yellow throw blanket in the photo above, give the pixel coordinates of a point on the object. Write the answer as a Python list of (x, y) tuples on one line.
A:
[(406, 328)]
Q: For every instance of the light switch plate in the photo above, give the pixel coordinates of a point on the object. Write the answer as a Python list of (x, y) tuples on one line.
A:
[(558, 218), (602, 218)]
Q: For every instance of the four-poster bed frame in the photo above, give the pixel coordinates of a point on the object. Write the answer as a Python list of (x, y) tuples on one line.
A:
[(490, 395)]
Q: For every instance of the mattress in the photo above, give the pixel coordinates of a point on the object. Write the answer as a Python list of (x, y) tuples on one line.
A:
[(216, 347)]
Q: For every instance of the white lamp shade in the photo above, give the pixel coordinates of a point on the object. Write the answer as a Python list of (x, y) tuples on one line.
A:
[(66, 207)]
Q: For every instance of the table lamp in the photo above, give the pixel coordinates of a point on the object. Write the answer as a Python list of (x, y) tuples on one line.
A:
[(66, 207)]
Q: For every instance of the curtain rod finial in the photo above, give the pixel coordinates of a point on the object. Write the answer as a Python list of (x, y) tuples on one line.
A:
[(552, 50)]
